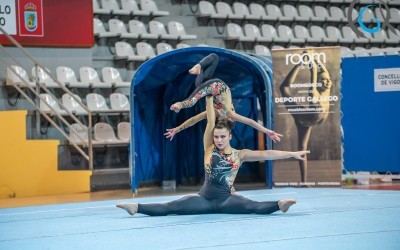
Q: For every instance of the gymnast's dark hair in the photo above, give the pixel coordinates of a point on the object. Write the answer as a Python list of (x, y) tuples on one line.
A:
[(224, 123)]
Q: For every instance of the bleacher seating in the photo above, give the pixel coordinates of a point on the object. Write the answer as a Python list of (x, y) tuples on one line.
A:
[(177, 29), (90, 75), (96, 102), (262, 50), (133, 7), (145, 50), (113, 7), (291, 11), (19, 78), (104, 133), (303, 33), (151, 6), (130, 32), (158, 28), (242, 10), (125, 51), (235, 32), (182, 45), (252, 31), (163, 48), (137, 27), (118, 27), (124, 132), (112, 76), (275, 12), (72, 105), (99, 29), (119, 102), (81, 134), (50, 105), (226, 10), (207, 10), (43, 78), (67, 77), (98, 10)]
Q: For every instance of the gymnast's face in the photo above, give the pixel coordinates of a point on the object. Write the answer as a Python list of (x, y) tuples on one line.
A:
[(325, 80), (222, 136)]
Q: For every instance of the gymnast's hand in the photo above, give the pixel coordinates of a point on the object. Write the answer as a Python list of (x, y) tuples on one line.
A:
[(171, 132), (195, 70), (300, 155), (274, 136)]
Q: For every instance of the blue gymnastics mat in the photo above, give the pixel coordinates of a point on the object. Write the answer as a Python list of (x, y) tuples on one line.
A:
[(321, 219)]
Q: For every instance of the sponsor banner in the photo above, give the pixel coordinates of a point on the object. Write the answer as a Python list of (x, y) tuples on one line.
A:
[(307, 113), (387, 79), (8, 16)]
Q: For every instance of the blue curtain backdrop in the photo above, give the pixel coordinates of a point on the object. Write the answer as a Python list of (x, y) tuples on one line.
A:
[(164, 80)]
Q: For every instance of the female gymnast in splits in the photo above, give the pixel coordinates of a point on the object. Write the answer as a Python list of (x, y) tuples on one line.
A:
[(206, 85), (221, 163), (319, 93)]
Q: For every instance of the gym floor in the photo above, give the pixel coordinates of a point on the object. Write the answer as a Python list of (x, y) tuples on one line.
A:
[(323, 218)]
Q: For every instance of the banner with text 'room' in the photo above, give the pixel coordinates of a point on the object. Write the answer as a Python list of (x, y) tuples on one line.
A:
[(307, 113)]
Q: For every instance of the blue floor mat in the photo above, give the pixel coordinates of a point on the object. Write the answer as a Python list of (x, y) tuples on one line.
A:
[(321, 219)]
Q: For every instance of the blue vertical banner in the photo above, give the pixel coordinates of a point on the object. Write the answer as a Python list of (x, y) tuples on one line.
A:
[(307, 113), (371, 116)]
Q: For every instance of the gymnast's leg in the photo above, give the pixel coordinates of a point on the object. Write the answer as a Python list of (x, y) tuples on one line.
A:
[(237, 204), (207, 68), (210, 87), (190, 204)]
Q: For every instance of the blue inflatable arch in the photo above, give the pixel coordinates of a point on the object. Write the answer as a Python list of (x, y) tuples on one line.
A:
[(164, 80)]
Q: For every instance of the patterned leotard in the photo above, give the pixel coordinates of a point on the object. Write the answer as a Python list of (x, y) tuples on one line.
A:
[(220, 174)]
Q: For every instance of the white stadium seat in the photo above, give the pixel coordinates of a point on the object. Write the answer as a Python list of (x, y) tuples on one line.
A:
[(118, 27), (20, 78), (67, 77), (73, 106), (158, 28), (96, 102), (112, 76), (125, 51), (137, 27), (104, 133), (151, 6), (90, 75), (124, 131), (119, 102), (46, 98), (177, 28), (163, 48), (145, 49)]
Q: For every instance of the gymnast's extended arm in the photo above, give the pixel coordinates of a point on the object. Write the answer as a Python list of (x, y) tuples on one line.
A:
[(171, 132)]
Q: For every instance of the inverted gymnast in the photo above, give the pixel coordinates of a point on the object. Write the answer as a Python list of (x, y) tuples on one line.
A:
[(318, 96), (206, 85), (221, 163)]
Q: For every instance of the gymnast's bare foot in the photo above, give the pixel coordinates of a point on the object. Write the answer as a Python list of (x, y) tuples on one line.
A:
[(285, 204), (131, 208), (176, 107), (195, 70)]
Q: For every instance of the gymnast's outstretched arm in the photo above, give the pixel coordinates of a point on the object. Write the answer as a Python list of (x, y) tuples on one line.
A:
[(171, 132), (265, 155), (271, 134)]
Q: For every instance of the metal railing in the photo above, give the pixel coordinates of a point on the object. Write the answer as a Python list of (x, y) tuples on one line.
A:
[(84, 142)]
